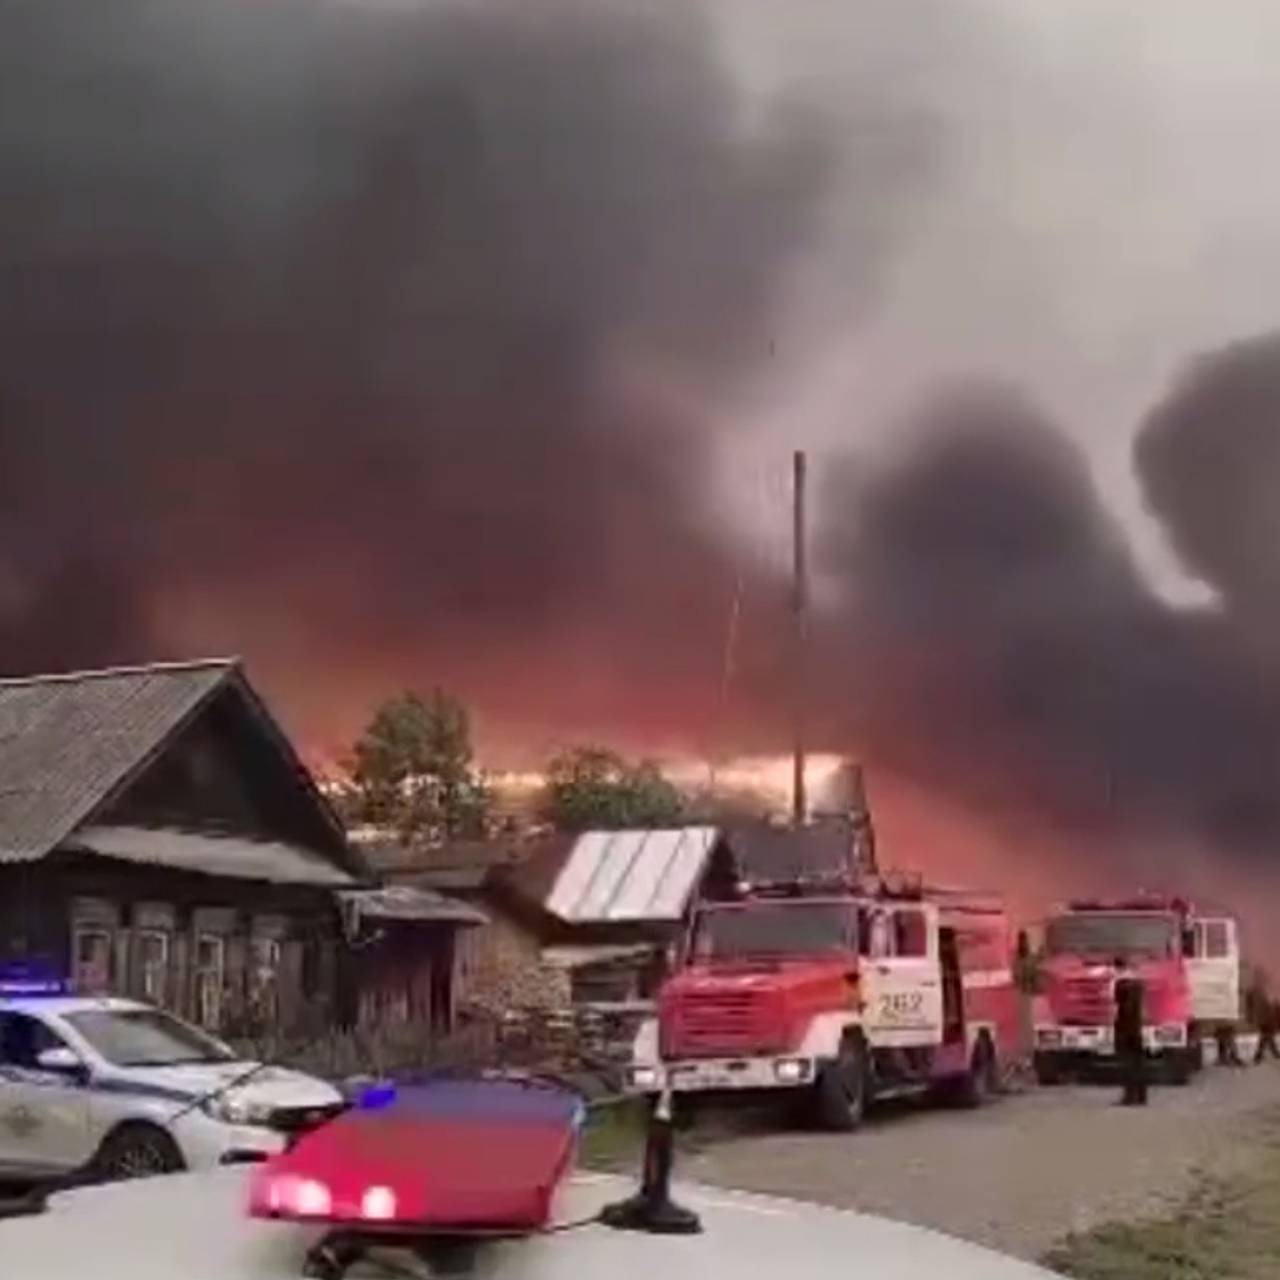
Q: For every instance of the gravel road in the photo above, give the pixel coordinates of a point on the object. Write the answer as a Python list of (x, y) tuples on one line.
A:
[(1019, 1173)]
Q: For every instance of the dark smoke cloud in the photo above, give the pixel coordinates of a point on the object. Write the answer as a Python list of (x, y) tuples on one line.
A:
[(320, 328), (1209, 459), (1019, 656)]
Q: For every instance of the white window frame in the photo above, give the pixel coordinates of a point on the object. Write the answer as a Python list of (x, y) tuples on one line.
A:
[(208, 999), (79, 933), (145, 970)]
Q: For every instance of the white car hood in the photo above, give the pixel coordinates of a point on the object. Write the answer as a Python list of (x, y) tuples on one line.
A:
[(194, 1227), (274, 1086)]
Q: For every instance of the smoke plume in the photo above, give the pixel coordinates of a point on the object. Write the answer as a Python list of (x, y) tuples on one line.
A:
[(1021, 658), (394, 343), (326, 333)]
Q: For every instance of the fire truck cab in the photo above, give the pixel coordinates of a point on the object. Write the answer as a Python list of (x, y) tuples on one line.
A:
[(843, 994), (1189, 964)]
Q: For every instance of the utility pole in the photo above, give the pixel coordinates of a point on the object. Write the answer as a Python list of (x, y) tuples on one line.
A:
[(800, 639)]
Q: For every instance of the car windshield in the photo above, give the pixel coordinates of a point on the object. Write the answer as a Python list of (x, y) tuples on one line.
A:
[(1111, 935), (146, 1038), (781, 930)]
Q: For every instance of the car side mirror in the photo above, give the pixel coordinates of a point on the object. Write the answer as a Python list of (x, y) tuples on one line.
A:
[(62, 1060)]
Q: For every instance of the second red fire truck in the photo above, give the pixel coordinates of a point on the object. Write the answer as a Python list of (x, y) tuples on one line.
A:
[(838, 993), (1189, 963)]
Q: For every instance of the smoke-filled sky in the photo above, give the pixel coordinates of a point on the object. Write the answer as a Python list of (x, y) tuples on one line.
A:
[(404, 343)]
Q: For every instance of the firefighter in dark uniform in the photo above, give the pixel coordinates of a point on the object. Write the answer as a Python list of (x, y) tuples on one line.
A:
[(1268, 1019), (1128, 1035), (1228, 1050)]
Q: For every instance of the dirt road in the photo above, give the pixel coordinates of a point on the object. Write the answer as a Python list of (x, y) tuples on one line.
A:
[(1020, 1173)]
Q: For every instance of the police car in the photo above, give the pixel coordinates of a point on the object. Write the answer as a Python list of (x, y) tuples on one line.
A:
[(114, 1088)]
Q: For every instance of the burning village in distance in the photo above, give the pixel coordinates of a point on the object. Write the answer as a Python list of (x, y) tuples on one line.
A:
[(343, 339), (679, 588)]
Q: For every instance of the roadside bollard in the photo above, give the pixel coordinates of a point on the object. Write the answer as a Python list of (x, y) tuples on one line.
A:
[(651, 1209)]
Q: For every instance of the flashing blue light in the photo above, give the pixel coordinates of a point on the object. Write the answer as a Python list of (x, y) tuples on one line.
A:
[(376, 1096), (30, 978)]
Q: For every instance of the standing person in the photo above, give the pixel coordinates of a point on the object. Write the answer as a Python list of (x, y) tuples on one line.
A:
[(1228, 1053), (1268, 1021), (1128, 1035)]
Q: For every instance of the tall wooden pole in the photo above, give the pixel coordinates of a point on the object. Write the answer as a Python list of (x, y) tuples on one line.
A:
[(800, 612)]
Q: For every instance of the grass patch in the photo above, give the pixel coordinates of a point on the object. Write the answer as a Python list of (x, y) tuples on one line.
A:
[(1228, 1229), (613, 1137)]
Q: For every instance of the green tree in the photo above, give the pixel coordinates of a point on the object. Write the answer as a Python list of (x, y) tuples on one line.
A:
[(593, 788), (414, 769)]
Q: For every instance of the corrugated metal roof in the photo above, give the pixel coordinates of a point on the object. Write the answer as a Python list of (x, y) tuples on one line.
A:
[(630, 875), (67, 741), (214, 855), (401, 902)]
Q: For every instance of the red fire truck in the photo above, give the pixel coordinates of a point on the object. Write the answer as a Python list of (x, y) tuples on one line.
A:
[(1189, 964), (844, 993)]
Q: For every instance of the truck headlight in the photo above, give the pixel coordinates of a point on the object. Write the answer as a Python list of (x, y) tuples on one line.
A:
[(790, 1070), (230, 1109), (643, 1077)]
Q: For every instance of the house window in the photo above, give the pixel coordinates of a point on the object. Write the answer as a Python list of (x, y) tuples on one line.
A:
[(153, 963), (264, 973), (210, 968), (92, 947), (266, 959)]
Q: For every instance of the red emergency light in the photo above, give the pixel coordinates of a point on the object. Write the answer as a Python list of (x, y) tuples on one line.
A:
[(443, 1157)]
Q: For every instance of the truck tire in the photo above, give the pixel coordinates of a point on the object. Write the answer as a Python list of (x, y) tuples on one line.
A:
[(135, 1150), (1048, 1069), (982, 1080), (1195, 1047), (840, 1092), (1178, 1066)]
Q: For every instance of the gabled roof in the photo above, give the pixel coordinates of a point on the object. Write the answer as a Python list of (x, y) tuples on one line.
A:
[(71, 743)]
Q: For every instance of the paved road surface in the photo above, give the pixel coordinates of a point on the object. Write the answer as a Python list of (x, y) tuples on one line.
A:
[(1021, 1172)]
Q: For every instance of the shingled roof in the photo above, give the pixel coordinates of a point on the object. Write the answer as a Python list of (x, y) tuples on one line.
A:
[(69, 744)]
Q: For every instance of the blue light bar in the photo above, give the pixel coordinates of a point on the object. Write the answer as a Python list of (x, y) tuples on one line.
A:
[(29, 978), (376, 1096)]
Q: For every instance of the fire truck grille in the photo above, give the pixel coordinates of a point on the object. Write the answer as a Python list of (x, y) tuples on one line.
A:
[(1088, 1001), (724, 1022)]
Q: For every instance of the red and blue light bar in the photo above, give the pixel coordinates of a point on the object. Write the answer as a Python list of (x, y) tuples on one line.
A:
[(447, 1156)]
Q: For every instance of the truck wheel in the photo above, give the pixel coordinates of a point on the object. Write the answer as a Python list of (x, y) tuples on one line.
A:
[(135, 1151), (841, 1087), (1047, 1069), (982, 1079), (1179, 1066), (1195, 1047)]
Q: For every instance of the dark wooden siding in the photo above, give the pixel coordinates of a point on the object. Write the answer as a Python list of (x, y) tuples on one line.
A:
[(147, 910), (222, 773)]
